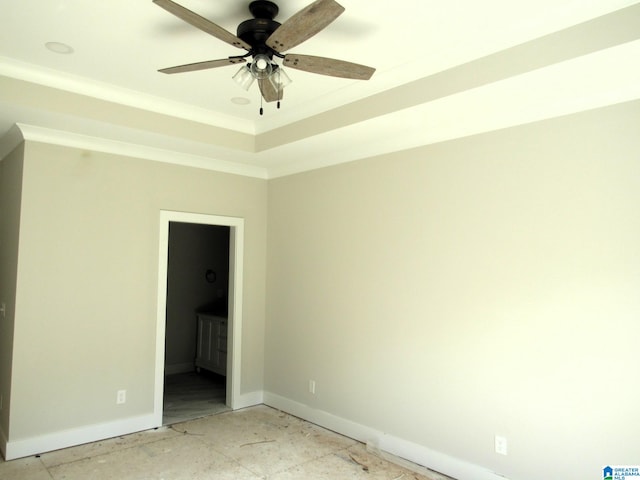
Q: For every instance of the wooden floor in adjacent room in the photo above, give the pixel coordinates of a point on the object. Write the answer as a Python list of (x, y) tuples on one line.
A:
[(192, 395)]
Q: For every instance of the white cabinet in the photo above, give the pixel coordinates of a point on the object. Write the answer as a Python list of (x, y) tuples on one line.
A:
[(211, 351)]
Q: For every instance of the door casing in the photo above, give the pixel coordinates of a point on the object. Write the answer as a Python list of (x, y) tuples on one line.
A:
[(234, 344)]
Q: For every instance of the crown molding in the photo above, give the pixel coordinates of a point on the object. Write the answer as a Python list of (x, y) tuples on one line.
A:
[(9, 141), (79, 85), (58, 137)]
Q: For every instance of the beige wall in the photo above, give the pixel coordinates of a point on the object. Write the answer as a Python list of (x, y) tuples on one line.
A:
[(440, 295), (10, 192), (479, 286), (87, 281)]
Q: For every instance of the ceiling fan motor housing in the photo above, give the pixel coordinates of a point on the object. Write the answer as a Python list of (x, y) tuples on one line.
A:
[(263, 9), (257, 30)]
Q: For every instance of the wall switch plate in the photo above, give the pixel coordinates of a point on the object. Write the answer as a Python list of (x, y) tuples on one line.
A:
[(312, 387), (121, 397), (501, 445)]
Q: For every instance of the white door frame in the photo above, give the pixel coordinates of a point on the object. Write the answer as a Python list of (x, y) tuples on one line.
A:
[(236, 249)]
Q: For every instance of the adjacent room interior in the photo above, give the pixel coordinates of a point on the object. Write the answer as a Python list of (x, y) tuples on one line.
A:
[(440, 261), (196, 321)]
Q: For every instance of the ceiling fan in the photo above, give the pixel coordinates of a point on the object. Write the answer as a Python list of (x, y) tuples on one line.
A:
[(264, 38)]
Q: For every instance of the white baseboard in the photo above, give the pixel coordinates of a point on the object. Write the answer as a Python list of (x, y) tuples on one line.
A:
[(92, 433), (399, 447), (179, 368), (77, 436), (415, 453), (250, 399)]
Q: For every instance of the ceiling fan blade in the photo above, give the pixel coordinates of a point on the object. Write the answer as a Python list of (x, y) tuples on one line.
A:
[(192, 67), (268, 91), (202, 23), (328, 66), (304, 24)]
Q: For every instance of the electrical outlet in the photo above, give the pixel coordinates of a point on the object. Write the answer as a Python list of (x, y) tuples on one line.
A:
[(3, 309), (312, 387), (501, 445), (121, 397)]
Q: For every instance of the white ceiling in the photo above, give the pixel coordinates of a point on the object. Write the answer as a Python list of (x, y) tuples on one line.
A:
[(120, 44)]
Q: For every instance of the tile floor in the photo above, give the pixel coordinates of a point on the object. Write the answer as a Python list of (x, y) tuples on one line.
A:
[(249, 444)]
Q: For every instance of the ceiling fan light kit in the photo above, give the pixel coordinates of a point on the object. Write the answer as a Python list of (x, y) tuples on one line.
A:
[(279, 79), (243, 77), (261, 66), (264, 38)]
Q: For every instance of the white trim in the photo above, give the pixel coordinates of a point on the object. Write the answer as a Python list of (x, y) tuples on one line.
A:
[(12, 450), (415, 453), (117, 147), (10, 141), (236, 250), (77, 436), (250, 399), (234, 342), (78, 85)]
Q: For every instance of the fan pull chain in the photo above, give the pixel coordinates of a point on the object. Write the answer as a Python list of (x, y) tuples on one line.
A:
[(261, 109)]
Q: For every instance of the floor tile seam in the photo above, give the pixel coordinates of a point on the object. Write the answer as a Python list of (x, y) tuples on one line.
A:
[(311, 460), (238, 463), (335, 450), (314, 459), (288, 436), (310, 422), (258, 474), (116, 450), (46, 469), (226, 456), (230, 459), (304, 427)]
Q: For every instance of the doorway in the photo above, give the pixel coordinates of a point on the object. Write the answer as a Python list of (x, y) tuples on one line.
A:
[(197, 320), (199, 279)]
